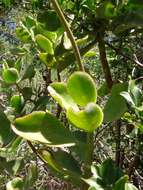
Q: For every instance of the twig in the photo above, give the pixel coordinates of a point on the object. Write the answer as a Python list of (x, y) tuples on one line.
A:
[(69, 33), (35, 151), (118, 51)]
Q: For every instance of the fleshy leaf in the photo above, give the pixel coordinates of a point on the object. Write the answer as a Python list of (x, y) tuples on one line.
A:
[(63, 163), (48, 59), (58, 91), (129, 186), (81, 88), (116, 104), (88, 119), (120, 183), (16, 184), (43, 127), (6, 134), (10, 75), (45, 44)]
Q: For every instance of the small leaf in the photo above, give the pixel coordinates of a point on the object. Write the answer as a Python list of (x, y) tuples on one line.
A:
[(17, 102), (67, 43), (103, 90), (58, 91), (129, 186), (6, 134), (120, 183), (128, 98), (45, 44), (52, 36), (81, 88), (116, 105), (23, 34), (64, 164), (43, 127), (48, 59), (29, 73), (31, 176), (67, 162), (10, 76), (29, 22), (27, 92), (88, 119), (18, 51), (16, 184)]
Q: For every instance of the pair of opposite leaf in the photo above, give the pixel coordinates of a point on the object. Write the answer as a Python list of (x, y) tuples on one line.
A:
[(78, 97)]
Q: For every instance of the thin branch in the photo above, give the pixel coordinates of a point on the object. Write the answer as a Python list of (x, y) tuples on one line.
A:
[(104, 62), (118, 51), (35, 151), (69, 33)]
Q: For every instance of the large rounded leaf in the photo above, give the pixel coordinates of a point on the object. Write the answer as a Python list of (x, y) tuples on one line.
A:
[(88, 119), (45, 128), (82, 88), (58, 91), (50, 19), (45, 44), (10, 75)]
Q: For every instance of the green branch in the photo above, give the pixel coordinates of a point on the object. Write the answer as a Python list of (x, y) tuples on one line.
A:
[(69, 33)]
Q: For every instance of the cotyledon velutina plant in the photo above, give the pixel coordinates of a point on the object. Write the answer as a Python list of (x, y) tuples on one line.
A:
[(77, 98)]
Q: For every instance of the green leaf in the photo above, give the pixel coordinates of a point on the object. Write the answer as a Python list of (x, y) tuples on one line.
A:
[(45, 128), (88, 119), (63, 163), (45, 44), (41, 103), (6, 134), (18, 51), (23, 34), (29, 22), (17, 102), (48, 59), (29, 73), (67, 162), (105, 175), (103, 90), (16, 184), (31, 176), (27, 92), (92, 188), (81, 88), (78, 149), (129, 186), (12, 167), (58, 91), (52, 36), (120, 183), (106, 10), (10, 75), (90, 54), (50, 19), (116, 105), (128, 98), (109, 172), (66, 42), (136, 93)]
